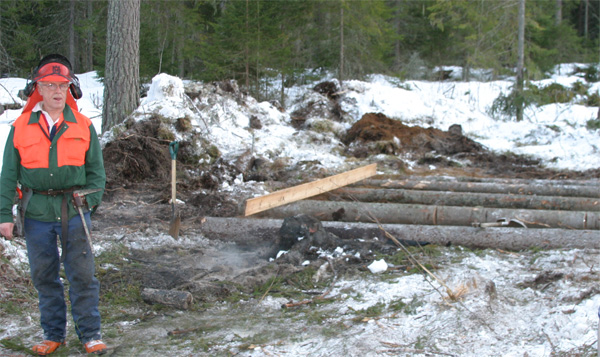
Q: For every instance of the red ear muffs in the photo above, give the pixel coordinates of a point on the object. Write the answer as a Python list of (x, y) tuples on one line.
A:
[(75, 88), (29, 89)]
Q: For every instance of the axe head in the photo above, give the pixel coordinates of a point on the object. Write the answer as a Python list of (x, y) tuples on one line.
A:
[(86, 191)]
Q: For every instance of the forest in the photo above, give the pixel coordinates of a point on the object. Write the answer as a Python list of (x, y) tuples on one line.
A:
[(269, 45)]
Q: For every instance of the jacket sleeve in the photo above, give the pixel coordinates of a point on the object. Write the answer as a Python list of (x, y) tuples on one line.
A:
[(8, 178), (94, 170)]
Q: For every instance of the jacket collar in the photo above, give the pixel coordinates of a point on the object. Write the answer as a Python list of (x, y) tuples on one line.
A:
[(68, 116)]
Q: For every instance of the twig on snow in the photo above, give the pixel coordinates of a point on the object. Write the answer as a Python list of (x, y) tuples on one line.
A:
[(317, 298)]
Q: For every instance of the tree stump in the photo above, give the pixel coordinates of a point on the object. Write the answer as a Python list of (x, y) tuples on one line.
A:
[(178, 299)]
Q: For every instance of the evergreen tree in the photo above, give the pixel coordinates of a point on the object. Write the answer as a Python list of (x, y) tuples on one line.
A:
[(368, 37), (121, 85), (481, 33), (257, 41)]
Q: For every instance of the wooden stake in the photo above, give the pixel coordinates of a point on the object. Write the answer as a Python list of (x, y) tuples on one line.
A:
[(306, 190)]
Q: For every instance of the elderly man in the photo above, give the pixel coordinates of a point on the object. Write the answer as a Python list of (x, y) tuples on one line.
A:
[(53, 150)]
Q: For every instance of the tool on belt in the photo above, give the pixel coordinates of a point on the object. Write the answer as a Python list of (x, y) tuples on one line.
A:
[(22, 198), (79, 203)]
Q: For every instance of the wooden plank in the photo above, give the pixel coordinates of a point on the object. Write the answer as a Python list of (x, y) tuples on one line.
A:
[(292, 194)]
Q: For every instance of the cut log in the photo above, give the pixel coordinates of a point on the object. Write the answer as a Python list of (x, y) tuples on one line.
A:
[(446, 198), (434, 215), (540, 189), (177, 299), (309, 189), (497, 237), (517, 181)]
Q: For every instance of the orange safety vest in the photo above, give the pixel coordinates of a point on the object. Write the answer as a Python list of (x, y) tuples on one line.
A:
[(32, 141)]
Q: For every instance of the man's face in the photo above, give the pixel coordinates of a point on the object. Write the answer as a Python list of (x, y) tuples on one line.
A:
[(54, 95)]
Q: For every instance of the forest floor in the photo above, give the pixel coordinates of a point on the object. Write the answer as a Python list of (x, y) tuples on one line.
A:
[(240, 290)]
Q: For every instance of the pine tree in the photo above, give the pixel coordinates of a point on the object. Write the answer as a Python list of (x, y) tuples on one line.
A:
[(121, 83)]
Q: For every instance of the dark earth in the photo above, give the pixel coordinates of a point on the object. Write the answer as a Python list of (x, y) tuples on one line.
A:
[(138, 193), (137, 199)]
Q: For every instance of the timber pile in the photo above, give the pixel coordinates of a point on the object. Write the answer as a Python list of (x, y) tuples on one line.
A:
[(498, 213)]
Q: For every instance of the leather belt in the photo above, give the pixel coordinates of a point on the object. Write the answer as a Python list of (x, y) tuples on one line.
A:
[(55, 193)]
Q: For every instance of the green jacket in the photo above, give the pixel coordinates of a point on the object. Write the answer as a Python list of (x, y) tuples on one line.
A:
[(73, 158)]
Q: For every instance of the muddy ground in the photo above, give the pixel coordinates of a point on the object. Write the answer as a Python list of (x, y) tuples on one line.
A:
[(136, 205), (138, 193)]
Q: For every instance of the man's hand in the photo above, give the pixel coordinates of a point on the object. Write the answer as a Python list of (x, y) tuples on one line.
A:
[(6, 230)]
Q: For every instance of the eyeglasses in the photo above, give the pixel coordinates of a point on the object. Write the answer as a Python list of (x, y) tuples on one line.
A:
[(52, 86)]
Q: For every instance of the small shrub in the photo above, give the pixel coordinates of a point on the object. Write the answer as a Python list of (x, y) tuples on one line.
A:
[(555, 93), (593, 124), (581, 88), (370, 312), (410, 308), (592, 100), (506, 105), (590, 73)]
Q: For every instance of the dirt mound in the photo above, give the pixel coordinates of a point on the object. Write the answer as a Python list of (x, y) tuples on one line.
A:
[(137, 155), (449, 150), (392, 137)]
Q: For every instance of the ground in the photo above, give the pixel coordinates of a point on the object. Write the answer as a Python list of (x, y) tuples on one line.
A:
[(144, 205), (136, 214)]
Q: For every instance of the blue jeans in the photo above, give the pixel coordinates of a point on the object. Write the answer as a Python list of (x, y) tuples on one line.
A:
[(84, 288)]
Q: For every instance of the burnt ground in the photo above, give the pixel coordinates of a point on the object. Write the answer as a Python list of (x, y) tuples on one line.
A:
[(136, 209), (138, 194), (136, 204)]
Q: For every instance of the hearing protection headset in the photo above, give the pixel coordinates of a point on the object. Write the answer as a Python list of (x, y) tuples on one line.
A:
[(49, 67)]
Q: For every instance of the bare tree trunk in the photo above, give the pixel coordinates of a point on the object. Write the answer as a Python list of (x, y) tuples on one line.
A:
[(121, 82), (4, 58), (586, 20), (90, 38), (282, 93), (397, 42), (465, 199), (500, 180), (257, 79), (246, 49), (554, 188), (72, 33), (521, 61), (266, 230), (341, 74), (179, 57), (434, 215), (558, 18)]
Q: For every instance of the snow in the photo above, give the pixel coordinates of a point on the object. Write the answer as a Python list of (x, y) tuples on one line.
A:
[(528, 321), (554, 133), (378, 266)]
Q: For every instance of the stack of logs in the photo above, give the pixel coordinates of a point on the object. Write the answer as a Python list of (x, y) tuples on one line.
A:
[(510, 214)]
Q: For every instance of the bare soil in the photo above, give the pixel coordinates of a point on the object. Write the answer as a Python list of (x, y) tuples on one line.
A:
[(137, 204), (138, 193)]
